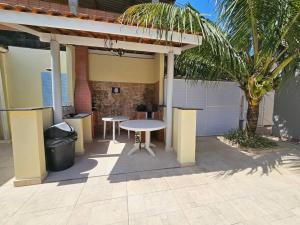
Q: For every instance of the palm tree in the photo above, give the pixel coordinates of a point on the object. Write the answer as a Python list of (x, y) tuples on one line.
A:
[(255, 41)]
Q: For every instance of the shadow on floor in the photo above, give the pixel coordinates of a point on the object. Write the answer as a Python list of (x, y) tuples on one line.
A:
[(106, 158), (6, 164), (220, 161), (215, 156)]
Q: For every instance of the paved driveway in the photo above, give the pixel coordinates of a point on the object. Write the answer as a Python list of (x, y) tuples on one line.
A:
[(227, 187)]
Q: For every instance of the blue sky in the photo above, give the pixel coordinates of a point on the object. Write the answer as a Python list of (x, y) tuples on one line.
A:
[(204, 6)]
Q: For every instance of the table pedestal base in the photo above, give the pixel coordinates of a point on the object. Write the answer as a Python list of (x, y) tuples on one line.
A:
[(146, 145), (136, 147)]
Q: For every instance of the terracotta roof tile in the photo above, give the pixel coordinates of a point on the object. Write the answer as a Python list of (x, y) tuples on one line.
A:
[(22, 8), (6, 6), (83, 16), (54, 9), (97, 16), (69, 14), (53, 12), (38, 10)]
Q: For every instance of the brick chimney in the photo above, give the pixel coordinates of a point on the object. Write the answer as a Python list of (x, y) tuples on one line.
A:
[(82, 96)]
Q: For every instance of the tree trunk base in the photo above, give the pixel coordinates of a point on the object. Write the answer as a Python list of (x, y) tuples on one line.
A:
[(252, 118)]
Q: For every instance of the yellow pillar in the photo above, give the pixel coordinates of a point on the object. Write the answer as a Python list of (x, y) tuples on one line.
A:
[(28, 146), (87, 129), (184, 136), (83, 127)]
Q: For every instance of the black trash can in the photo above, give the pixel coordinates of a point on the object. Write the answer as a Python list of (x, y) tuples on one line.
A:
[(60, 146)]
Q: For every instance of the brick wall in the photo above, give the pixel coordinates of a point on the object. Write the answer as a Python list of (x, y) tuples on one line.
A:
[(82, 95), (124, 103), (156, 93)]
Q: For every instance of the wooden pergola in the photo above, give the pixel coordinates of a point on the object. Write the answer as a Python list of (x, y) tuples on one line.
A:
[(94, 31)]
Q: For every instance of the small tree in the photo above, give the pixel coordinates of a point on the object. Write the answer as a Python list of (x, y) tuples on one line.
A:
[(255, 41)]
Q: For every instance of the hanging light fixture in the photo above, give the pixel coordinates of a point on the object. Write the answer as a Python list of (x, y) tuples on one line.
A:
[(109, 46)]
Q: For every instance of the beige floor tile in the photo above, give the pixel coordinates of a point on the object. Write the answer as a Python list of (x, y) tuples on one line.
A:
[(204, 215), (51, 199), (250, 210), (200, 176), (185, 197), (272, 208), (103, 188), (106, 212), (196, 196), (285, 198), (66, 185), (12, 199), (152, 203), (296, 211), (228, 187), (226, 210), (145, 182), (58, 216), (294, 220), (169, 218), (105, 180), (179, 177), (257, 221)]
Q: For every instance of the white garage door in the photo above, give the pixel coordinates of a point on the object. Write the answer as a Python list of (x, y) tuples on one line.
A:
[(220, 101)]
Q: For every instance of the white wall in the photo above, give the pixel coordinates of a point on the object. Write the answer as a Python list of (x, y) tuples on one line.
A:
[(220, 103)]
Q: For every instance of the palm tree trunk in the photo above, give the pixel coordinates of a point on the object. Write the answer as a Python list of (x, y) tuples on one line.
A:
[(252, 117)]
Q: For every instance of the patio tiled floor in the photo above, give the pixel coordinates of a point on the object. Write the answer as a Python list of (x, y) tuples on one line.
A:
[(108, 158), (227, 187)]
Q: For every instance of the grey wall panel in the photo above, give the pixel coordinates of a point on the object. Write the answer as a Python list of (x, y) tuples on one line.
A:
[(179, 93), (220, 102), (196, 95), (220, 120), (223, 94), (201, 123), (287, 109)]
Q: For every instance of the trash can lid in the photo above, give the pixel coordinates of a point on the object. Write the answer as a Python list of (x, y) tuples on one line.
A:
[(63, 126), (60, 130)]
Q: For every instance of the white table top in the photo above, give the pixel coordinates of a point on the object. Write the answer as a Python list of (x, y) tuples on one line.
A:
[(115, 118), (143, 125)]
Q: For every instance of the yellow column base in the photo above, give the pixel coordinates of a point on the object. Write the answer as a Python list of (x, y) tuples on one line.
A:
[(30, 181), (28, 147), (184, 136)]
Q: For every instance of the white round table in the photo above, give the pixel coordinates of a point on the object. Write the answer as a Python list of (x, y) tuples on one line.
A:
[(143, 125), (113, 119)]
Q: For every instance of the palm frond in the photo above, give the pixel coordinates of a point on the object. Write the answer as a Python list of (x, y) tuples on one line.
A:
[(205, 64), (169, 18)]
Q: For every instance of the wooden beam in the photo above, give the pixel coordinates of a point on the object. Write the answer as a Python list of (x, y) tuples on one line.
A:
[(102, 43), (22, 28), (26, 18)]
